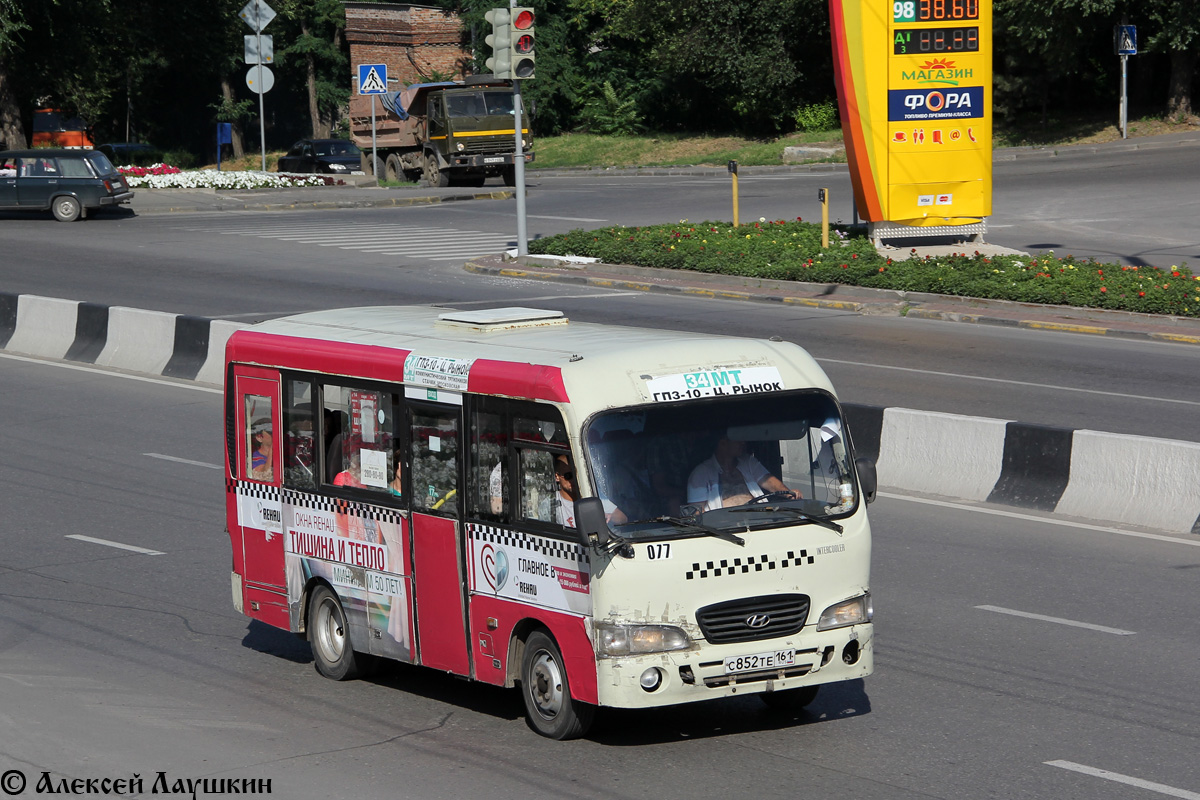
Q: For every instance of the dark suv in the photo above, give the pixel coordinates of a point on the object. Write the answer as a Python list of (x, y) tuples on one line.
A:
[(67, 182)]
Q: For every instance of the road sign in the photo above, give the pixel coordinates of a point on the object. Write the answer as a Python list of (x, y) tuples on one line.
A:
[(1125, 40), (260, 79), (372, 78), (267, 45), (257, 14)]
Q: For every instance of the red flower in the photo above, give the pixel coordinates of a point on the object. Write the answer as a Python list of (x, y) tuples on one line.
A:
[(1174, 274), (1141, 294), (1104, 288)]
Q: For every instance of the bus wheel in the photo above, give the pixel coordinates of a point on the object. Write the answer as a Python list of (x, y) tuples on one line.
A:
[(790, 700), (329, 636), (66, 209), (548, 705)]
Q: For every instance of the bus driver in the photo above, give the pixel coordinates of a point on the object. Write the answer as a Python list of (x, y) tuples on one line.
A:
[(731, 477)]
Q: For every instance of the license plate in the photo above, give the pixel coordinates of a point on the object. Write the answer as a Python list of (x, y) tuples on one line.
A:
[(751, 663), (495, 160), (118, 184)]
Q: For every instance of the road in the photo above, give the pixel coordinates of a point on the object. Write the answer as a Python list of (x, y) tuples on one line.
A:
[(115, 662)]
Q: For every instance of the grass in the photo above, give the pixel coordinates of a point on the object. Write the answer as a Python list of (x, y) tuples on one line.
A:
[(791, 250)]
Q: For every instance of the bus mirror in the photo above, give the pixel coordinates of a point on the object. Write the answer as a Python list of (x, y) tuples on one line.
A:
[(589, 518), (868, 480)]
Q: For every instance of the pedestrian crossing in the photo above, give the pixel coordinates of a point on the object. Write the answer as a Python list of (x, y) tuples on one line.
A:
[(411, 241)]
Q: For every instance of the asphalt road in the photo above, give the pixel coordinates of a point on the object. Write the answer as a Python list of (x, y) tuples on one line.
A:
[(115, 662)]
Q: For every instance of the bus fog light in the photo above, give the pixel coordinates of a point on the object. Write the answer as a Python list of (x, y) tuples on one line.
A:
[(651, 679), (626, 640), (854, 611)]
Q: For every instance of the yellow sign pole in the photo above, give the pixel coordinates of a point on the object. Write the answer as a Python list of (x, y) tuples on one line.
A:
[(823, 196), (733, 174)]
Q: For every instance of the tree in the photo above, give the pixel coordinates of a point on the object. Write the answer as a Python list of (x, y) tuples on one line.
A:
[(1177, 35), (12, 25)]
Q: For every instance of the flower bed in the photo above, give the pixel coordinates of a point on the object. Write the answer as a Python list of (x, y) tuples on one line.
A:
[(162, 176), (791, 250)]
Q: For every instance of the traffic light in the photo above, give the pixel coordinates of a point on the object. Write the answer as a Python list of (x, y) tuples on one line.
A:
[(521, 39), (500, 40)]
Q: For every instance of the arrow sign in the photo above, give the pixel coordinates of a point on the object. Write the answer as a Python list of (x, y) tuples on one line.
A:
[(372, 78), (257, 14)]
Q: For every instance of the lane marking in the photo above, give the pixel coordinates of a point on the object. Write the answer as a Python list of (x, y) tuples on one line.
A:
[(1058, 620), (1006, 380), (1161, 537), (144, 551), (183, 460), (566, 219), (1161, 788), (79, 368)]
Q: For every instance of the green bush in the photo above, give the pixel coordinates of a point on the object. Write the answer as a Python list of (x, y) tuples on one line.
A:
[(817, 117), (607, 115), (179, 158), (791, 250)]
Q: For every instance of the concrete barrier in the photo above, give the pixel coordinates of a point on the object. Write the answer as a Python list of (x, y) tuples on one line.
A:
[(1107, 477)]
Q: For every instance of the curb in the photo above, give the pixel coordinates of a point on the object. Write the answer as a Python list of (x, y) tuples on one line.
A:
[(882, 302)]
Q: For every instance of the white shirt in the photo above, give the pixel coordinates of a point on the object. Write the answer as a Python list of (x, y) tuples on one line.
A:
[(704, 484)]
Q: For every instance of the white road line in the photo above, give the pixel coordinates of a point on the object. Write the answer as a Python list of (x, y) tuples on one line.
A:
[(1117, 777), (1057, 620), (117, 545), (183, 460), (1005, 380), (566, 219), (79, 368), (1047, 520)]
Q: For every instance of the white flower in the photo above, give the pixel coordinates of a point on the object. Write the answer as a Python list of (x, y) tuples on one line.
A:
[(212, 179)]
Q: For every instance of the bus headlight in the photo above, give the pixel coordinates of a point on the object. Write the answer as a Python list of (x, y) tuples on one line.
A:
[(629, 640), (854, 611)]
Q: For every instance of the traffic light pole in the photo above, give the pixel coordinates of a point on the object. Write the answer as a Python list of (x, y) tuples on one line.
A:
[(519, 170)]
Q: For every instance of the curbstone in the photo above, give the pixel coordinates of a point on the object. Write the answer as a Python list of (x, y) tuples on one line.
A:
[(219, 331), (8, 317), (190, 349), (91, 333)]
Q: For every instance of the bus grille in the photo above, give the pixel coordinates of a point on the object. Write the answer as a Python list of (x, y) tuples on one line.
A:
[(752, 618)]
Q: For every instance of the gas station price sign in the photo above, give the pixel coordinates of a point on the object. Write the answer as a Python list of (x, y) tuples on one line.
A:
[(915, 95)]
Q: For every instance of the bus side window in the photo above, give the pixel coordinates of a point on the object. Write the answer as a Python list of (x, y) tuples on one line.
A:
[(489, 467), (299, 451), (539, 492), (361, 438), (259, 438), (435, 462)]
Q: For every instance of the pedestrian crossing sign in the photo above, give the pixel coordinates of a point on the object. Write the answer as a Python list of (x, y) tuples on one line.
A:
[(1126, 40), (372, 78)]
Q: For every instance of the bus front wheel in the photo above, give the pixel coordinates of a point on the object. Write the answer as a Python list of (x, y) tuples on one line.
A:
[(548, 704), (329, 636)]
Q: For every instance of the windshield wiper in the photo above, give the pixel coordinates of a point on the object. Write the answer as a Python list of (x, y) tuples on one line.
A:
[(824, 522), (690, 525)]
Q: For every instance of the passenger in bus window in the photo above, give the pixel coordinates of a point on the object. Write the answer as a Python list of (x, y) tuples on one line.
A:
[(396, 485), (496, 489), (568, 493), (261, 468), (731, 477)]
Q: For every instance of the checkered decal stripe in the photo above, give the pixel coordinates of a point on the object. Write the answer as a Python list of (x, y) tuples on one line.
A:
[(333, 505), (551, 548), (739, 566)]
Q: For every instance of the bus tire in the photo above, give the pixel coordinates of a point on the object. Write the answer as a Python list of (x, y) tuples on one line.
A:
[(548, 705), (66, 208), (329, 637), (790, 700)]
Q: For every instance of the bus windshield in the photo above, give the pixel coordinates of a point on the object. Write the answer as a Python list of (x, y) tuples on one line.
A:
[(730, 463)]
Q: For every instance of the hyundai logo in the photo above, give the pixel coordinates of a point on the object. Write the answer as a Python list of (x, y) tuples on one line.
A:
[(758, 621)]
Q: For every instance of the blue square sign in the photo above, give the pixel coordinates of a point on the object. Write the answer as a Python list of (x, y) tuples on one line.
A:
[(372, 79)]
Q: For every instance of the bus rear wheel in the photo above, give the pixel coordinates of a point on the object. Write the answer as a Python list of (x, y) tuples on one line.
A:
[(548, 705), (329, 637)]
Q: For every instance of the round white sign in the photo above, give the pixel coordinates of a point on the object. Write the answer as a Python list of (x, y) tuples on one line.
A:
[(260, 79)]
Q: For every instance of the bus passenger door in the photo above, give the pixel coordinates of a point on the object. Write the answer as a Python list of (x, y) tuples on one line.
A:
[(257, 475), (436, 503)]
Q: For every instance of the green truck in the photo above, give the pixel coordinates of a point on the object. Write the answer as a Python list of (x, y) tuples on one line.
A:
[(458, 132)]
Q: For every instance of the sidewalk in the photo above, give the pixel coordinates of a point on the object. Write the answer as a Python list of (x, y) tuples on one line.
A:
[(162, 201), (852, 299)]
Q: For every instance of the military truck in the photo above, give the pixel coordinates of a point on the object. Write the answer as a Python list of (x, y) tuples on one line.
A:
[(448, 132)]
